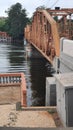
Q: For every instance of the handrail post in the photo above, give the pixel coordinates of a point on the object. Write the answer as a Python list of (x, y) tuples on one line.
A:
[(23, 91)]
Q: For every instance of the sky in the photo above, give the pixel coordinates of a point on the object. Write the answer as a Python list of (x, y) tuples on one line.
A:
[(31, 5)]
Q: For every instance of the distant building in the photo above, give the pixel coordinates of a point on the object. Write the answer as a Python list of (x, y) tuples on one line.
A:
[(4, 37)]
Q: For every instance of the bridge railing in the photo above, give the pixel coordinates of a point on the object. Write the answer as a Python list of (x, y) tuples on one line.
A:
[(13, 88), (9, 79)]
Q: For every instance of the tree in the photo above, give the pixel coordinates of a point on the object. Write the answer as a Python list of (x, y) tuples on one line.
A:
[(2, 24), (17, 20)]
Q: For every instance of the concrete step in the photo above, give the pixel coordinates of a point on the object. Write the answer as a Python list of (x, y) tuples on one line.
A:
[(43, 108)]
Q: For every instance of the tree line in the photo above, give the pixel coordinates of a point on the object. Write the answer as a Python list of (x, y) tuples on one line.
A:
[(16, 21)]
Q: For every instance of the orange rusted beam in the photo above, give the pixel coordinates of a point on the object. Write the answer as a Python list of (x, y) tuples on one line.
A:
[(46, 30), (23, 91), (10, 74), (40, 35), (42, 53), (55, 34)]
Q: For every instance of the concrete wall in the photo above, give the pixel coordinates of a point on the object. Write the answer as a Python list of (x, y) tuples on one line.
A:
[(56, 64), (13, 88), (64, 82), (66, 46), (66, 63), (60, 93), (50, 92), (10, 94), (66, 55)]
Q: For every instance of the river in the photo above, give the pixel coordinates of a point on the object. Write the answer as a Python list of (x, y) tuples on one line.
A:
[(13, 58)]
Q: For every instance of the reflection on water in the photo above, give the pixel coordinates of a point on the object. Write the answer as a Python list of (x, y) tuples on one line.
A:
[(13, 59)]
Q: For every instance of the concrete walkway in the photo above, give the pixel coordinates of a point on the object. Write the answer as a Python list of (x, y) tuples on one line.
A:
[(9, 117)]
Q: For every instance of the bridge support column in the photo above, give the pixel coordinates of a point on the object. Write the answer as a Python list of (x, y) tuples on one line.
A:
[(64, 90)]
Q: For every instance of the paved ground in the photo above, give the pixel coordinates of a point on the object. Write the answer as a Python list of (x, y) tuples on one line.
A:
[(11, 118)]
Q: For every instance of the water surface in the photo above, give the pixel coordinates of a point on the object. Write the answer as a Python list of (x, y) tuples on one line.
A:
[(13, 58)]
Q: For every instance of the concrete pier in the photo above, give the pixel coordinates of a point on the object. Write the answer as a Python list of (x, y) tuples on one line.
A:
[(64, 89), (50, 91)]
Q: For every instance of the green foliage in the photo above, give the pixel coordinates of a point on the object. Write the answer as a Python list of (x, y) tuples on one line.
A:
[(16, 21), (56, 18), (2, 24), (41, 7)]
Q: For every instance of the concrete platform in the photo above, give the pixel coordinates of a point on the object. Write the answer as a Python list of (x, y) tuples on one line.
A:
[(34, 119), (9, 117)]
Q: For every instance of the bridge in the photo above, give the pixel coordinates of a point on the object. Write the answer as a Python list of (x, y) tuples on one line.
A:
[(51, 33), (46, 29)]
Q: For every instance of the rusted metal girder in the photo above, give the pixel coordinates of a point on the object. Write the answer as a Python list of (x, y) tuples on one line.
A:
[(46, 29), (64, 21), (43, 34), (63, 10)]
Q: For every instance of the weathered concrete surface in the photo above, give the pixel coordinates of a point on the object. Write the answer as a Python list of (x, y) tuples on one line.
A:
[(67, 47), (64, 89), (66, 63), (50, 91), (66, 55), (56, 64), (9, 117), (10, 94), (35, 119), (65, 79)]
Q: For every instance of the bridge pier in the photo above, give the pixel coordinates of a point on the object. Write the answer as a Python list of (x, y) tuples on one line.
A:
[(64, 92), (50, 92), (63, 83)]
